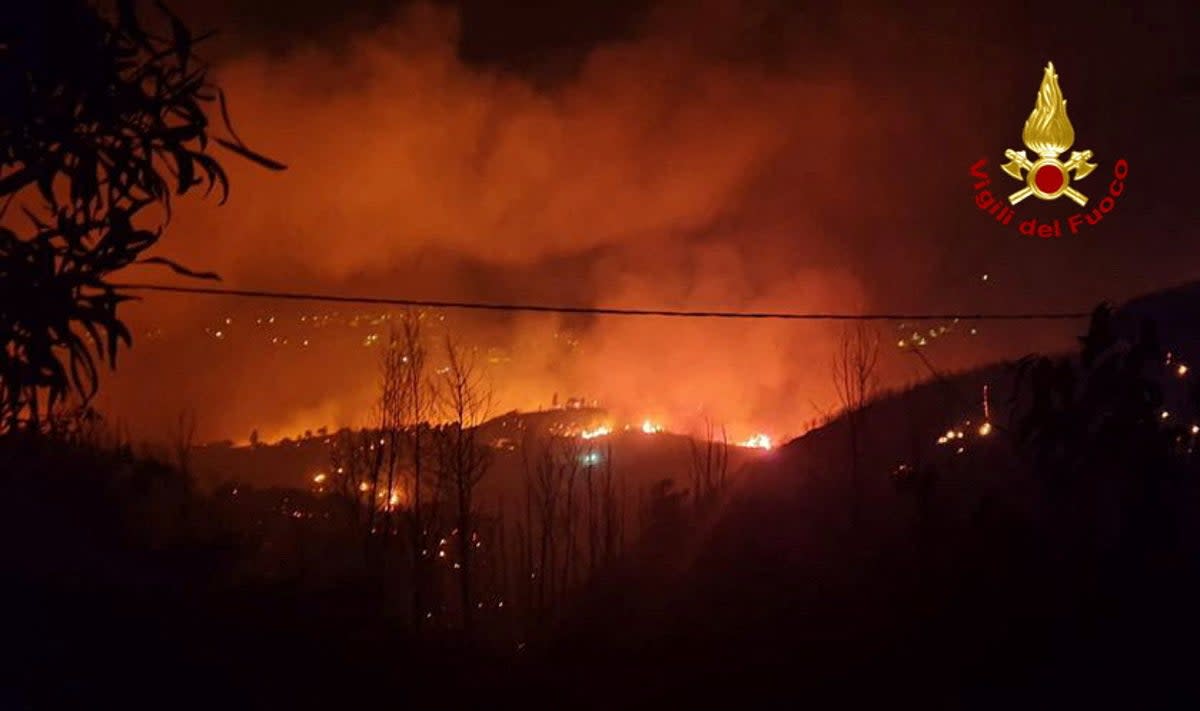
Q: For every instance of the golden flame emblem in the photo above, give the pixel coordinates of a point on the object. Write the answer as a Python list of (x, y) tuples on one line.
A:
[(1048, 133)]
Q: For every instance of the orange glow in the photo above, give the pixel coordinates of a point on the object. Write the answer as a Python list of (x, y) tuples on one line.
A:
[(601, 431), (493, 188)]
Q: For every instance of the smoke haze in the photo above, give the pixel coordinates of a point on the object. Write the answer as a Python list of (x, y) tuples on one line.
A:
[(726, 156)]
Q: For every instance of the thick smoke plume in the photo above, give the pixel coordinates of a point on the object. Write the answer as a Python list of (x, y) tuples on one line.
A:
[(695, 165)]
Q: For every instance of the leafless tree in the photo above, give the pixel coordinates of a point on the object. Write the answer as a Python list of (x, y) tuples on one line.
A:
[(390, 410), (406, 405), (709, 466), (570, 524), (525, 534), (612, 505), (570, 465), (464, 401), (373, 450), (552, 463), (545, 485), (604, 511), (349, 465), (854, 379), (592, 483), (183, 440)]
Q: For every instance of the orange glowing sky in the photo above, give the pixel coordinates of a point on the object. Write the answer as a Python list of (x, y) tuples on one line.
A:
[(710, 157)]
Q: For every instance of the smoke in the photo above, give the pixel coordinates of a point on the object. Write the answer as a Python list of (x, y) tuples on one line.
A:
[(714, 161)]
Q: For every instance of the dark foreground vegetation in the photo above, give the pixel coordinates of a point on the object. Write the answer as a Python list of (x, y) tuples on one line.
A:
[(1052, 562)]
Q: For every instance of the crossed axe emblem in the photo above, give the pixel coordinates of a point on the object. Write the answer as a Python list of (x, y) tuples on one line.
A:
[(1048, 177)]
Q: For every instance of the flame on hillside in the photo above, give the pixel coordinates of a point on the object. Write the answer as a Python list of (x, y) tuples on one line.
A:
[(649, 427), (601, 431), (758, 441)]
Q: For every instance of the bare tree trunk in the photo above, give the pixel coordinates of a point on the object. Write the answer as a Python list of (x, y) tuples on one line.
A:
[(527, 572), (709, 468), (546, 565), (466, 532), (855, 486), (404, 410), (592, 532), (542, 492), (569, 530), (503, 556), (464, 401), (854, 379), (375, 465), (417, 535), (183, 440), (612, 512)]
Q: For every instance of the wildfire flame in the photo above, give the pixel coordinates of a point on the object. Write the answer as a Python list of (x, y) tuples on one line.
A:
[(600, 431), (1048, 131), (758, 441), (650, 428)]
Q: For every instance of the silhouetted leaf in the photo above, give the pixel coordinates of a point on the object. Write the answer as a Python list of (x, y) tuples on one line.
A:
[(251, 155), (181, 36), (128, 22), (225, 117)]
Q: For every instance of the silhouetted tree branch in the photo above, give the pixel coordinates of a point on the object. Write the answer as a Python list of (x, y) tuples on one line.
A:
[(100, 118), (854, 378)]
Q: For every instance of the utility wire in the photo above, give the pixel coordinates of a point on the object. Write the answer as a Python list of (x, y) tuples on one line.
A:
[(600, 310)]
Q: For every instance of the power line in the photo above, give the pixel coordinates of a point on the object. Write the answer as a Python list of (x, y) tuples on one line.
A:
[(600, 310)]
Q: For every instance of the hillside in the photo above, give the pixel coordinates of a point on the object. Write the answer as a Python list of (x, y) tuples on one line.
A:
[(963, 584), (640, 458), (970, 579)]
